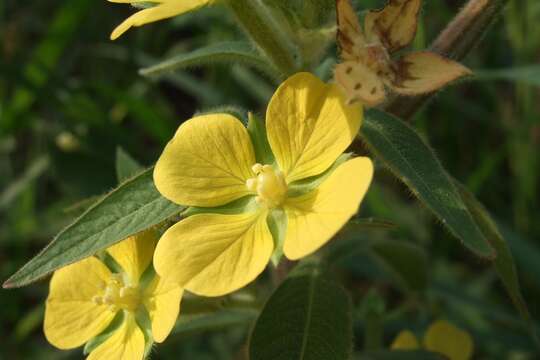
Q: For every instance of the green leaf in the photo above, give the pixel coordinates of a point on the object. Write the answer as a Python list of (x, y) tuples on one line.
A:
[(307, 317), (225, 52), (400, 355), (529, 74), (504, 262), (126, 166), (410, 158), (132, 207), (406, 263)]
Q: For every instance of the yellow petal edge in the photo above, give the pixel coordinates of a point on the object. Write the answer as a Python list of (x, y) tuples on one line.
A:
[(405, 340), (162, 301), (445, 338), (207, 162), (71, 317), (127, 342), (134, 254), (214, 254), (165, 9), (309, 125), (314, 218)]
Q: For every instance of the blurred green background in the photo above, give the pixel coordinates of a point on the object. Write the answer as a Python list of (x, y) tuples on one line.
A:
[(69, 98)]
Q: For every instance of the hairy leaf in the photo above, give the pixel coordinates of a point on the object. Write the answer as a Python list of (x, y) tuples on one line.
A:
[(228, 52), (410, 158), (504, 263), (132, 207)]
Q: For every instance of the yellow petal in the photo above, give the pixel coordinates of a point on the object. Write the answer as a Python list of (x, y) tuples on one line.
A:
[(207, 162), (309, 125), (423, 72), (162, 11), (405, 341), (134, 254), (445, 338), (126, 343), (359, 83), (162, 300), (395, 25), (71, 317), (315, 217), (213, 254)]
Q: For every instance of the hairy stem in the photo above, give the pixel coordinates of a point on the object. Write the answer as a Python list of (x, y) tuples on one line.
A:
[(266, 31)]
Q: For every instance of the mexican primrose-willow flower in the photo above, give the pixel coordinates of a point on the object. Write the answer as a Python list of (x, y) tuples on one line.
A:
[(441, 337), (163, 10), (211, 162), (87, 299)]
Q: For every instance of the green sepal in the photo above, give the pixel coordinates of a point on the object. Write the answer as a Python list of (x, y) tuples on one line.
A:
[(277, 223), (110, 262), (146, 277), (304, 186), (143, 5), (242, 205), (257, 132), (142, 319), (93, 343)]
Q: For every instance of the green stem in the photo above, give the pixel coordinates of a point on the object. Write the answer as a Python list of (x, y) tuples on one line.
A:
[(267, 32)]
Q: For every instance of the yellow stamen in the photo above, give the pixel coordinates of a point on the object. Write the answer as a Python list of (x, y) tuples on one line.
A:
[(118, 295), (269, 185)]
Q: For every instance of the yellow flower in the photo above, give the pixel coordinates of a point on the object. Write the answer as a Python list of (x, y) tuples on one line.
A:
[(441, 337), (86, 296), (211, 161), (165, 9)]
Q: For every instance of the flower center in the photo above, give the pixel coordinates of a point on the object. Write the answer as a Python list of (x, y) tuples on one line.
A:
[(118, 295), (269, 185)]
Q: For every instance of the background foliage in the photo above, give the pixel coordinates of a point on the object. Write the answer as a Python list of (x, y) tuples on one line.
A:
[(69, 98)]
